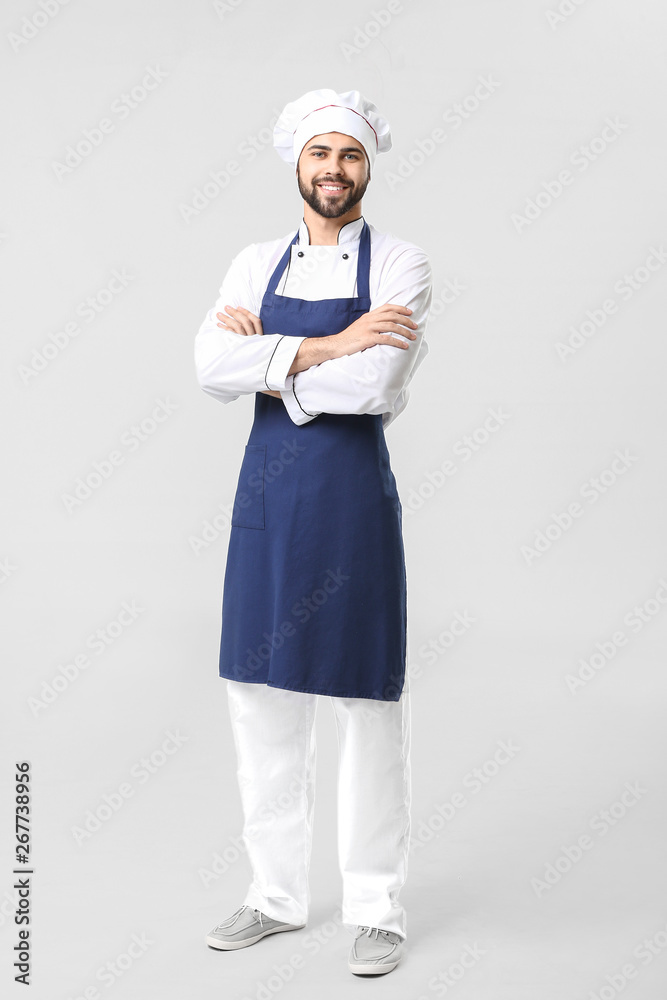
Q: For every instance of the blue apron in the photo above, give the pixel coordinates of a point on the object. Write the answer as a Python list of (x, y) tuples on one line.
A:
[(314, 595)]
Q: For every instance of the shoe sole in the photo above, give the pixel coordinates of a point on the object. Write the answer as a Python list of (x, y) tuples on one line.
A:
[(234, 945), (372, 970)]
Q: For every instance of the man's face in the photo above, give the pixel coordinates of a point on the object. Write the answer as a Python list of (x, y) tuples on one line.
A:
[(333, 173)]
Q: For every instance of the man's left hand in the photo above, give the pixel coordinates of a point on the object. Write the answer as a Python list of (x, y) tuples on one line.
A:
[(246, 323), (241, 321)]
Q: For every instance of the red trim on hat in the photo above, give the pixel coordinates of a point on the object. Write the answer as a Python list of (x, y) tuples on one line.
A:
[(346, 109)]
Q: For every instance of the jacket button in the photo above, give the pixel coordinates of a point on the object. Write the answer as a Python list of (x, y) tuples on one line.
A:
[(300, 253), (345, 256)]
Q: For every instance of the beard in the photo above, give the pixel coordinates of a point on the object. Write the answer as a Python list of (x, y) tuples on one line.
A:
[(331, 208)]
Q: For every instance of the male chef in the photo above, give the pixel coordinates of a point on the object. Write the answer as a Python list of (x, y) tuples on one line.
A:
[(325, 327)]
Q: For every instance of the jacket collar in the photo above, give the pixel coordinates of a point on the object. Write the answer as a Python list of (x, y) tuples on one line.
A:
[(349, 233)]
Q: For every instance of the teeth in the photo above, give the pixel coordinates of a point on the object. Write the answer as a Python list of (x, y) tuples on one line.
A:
[(332, 187)]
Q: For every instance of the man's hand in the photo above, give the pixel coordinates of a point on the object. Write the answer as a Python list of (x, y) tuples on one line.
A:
[(241, 321), (376, 327), (246, 323)]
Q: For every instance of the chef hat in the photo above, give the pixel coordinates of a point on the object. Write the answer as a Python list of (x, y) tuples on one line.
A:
[(322, 111)]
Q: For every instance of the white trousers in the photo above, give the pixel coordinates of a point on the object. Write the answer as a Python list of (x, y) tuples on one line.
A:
[(276, 751)]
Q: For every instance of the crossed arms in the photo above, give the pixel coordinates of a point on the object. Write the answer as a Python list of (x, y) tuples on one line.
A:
[(365, 368)]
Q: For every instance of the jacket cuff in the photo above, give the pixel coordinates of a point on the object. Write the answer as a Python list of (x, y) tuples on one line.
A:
[(294, 409), (280, 362)]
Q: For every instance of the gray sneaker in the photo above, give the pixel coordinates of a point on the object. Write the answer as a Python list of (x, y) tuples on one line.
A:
[(375, 951), (245, 927)]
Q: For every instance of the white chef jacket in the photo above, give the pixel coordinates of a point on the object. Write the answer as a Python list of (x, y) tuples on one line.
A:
[(374, 381)]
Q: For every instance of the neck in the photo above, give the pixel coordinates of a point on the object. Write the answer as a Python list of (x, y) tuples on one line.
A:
[(324, 232)]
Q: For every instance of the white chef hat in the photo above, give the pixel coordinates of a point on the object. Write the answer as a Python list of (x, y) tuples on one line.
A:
[(322, 111)]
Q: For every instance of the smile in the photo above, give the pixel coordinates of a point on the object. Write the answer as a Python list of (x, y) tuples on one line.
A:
[(333, 187)]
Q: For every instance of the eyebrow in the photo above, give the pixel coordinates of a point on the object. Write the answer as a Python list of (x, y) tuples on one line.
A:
[(343, 149)]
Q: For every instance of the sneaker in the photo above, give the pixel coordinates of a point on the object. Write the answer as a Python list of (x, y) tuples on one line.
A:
[(375, 951), (245, 927)]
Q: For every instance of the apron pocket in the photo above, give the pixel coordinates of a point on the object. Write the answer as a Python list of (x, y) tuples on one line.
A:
[(248, 511)]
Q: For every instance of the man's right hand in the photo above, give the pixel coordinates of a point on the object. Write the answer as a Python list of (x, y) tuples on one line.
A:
[(375, 327)]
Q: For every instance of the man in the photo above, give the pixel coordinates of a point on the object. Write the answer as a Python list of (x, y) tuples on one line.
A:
[(326, 327)]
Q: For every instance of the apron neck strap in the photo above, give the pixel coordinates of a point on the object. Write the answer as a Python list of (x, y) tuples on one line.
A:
[(364, 263)]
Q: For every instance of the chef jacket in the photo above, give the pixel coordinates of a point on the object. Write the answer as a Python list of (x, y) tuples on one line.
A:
[(373, 381)]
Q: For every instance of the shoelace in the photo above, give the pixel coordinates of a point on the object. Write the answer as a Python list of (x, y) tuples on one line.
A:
[(369, 931), (235, 914)]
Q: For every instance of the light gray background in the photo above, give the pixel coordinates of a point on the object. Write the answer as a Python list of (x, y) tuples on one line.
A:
[(66, 574)]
